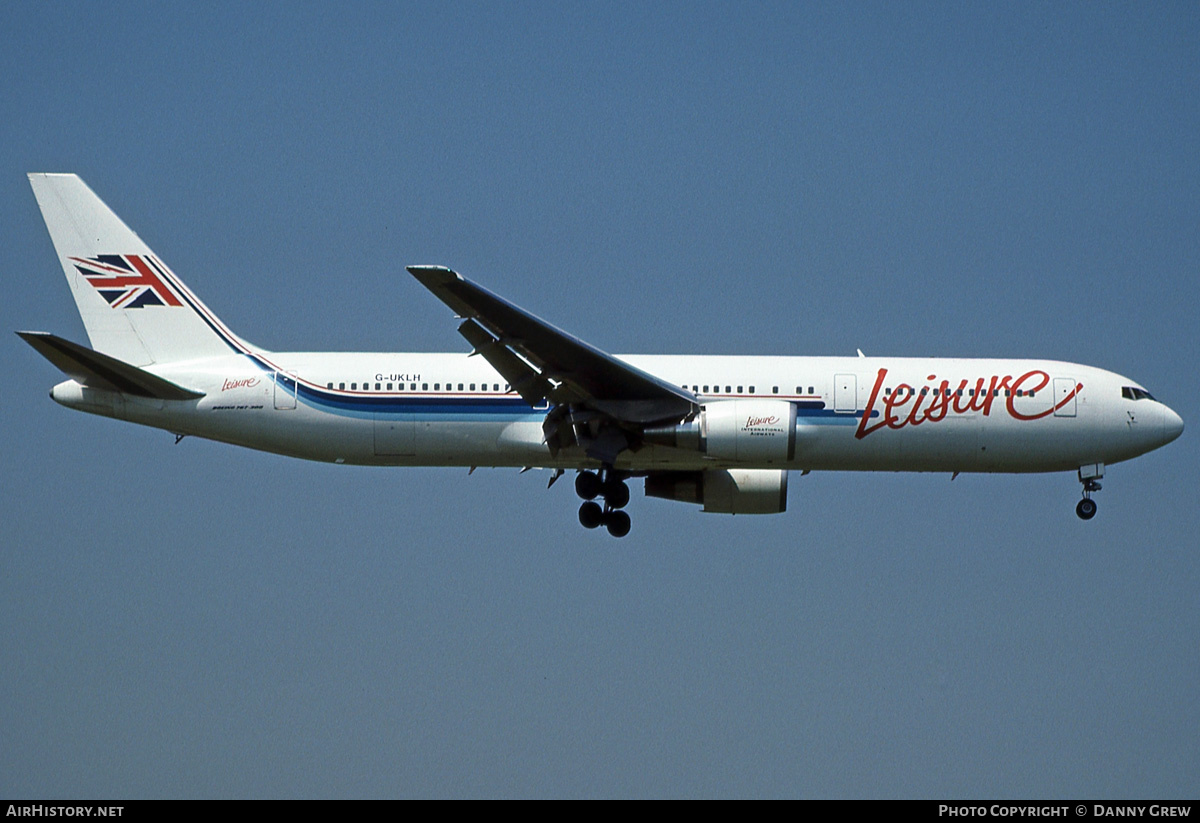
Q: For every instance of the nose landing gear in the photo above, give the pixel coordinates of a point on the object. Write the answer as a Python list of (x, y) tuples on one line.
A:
[(1089, 476), (611, 486)]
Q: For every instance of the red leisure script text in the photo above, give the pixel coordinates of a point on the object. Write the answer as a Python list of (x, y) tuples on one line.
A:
[(906, 406)]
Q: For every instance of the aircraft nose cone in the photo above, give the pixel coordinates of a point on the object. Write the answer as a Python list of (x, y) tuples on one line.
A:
[(1172, 425)]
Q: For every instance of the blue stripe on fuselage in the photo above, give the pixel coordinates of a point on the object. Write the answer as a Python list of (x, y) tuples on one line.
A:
[(443, 407), (457, 408)]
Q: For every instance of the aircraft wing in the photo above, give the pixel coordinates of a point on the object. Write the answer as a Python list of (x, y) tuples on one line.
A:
[(543, 362)]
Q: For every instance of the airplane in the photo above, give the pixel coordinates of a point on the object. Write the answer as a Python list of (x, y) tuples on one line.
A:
[(720, 432)]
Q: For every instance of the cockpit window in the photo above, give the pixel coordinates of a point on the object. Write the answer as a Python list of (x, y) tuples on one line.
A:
[(1134, 393)]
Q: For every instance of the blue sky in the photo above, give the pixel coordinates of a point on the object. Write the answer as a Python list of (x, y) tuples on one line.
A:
[(910, 179)]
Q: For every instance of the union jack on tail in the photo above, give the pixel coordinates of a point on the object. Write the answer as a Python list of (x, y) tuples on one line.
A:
[(127, 281)]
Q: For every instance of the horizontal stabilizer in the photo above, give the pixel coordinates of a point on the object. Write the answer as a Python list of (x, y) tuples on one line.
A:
[(99, 371)]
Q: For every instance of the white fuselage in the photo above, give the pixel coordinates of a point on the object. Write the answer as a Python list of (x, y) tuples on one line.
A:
[(722, 432), (861, 413)]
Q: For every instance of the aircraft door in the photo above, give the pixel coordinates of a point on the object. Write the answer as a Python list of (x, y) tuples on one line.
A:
[(1064, 390), (845, 393), (285, 390)]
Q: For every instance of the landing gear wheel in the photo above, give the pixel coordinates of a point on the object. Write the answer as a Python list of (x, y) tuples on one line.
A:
[(616, 494), (1086, 509), (617, 523), (588, 485), (591, 515)]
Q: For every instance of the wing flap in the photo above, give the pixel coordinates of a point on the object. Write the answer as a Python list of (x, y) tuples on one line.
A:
[(523, 377)]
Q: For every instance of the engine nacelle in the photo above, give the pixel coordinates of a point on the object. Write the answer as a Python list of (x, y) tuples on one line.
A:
[(724, 491), (748, 431)]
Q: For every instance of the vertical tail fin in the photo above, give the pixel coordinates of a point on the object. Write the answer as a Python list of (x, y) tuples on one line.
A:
[(133, 307)]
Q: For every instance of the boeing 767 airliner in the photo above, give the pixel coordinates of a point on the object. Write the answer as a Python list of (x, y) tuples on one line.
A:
[(720, 432)]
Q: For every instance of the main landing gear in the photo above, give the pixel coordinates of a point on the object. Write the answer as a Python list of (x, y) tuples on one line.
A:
[(1089, 476), (611, 486)]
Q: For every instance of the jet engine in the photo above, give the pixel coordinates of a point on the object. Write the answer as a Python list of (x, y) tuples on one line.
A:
[(724, 491), (749, 431)]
